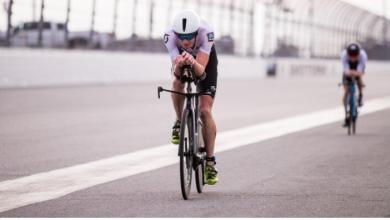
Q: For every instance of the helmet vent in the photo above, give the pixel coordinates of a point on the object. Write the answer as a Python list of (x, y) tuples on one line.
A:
[(184, 24)]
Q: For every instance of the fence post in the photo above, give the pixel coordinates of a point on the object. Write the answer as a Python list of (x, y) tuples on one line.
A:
[(34, 7), (385, 23), (151, 19), (40, 24), (67, 24), (134, 20), (91, 32), (114, 25), (9, 22)]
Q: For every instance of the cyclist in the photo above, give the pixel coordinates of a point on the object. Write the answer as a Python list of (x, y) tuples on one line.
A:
[(354, 60), (190, 41)]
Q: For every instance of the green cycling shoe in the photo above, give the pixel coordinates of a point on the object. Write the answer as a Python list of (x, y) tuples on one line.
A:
[(176, 133), (211, 173)]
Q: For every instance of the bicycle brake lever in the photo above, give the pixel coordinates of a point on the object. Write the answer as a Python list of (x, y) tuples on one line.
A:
[(159, 90)]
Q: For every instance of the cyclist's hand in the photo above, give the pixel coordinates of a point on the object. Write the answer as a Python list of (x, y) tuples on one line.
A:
[(355, 73), (351, 73), (179, 60), (188, 58)]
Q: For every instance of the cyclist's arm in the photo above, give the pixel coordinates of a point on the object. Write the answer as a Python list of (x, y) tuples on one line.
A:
[(170, 44), (360, 68), (355, 73), (176, 65), (350, 72), (345, 64), (202, 57), (200, 63), (362, 63)]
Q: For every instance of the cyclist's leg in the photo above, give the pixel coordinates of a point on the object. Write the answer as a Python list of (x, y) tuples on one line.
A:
[(210, 129), (360, 85), (178, 100), (209, 85), (345, 86), (209, 134), (345, 101)]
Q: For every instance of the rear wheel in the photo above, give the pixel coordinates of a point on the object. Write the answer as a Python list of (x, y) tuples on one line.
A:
[(354, 127), (199, 170), (185, 148)]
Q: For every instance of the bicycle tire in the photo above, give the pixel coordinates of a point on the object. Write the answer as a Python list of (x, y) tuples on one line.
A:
[(199, 170), (352, 112), (185, 146)]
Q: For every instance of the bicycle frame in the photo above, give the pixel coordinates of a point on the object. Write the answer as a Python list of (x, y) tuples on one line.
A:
[(191, 151), (192, 100)]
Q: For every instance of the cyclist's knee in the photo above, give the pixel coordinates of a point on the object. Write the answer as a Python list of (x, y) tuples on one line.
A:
[(345, 89), (360, 83), (205, 105), (205, 112), (177, 85), (345, 94)]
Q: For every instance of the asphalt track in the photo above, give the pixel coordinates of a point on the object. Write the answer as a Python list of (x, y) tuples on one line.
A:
[(315, 172)]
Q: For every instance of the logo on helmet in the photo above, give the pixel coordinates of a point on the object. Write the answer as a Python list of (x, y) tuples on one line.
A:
[(184, 24)]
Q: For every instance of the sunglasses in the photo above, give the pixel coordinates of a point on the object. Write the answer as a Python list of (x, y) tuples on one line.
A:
[(186, 36)]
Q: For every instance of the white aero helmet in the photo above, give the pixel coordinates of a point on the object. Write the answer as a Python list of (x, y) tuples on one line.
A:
[(186, 22)]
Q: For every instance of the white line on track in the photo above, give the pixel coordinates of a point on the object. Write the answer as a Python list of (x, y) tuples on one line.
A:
[(57, 183)]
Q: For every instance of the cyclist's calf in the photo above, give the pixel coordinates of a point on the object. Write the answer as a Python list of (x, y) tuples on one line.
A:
[(210, 130)]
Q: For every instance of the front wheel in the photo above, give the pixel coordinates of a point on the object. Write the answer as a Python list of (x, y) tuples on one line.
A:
[(185, 153)]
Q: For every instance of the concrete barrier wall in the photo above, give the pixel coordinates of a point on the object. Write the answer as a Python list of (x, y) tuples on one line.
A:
[(318, 67), (34, 68)]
